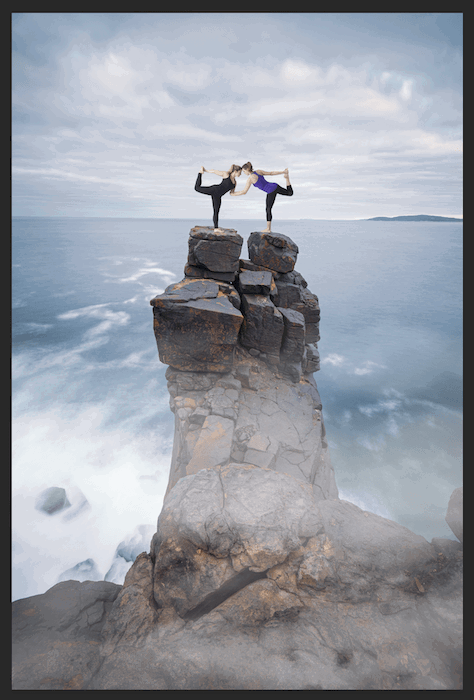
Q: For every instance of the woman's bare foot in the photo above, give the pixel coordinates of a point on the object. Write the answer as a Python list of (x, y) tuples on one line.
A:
[(266, 230), (218, 230)]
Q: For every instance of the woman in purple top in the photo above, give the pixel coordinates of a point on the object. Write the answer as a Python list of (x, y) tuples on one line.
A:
[(270, 188)]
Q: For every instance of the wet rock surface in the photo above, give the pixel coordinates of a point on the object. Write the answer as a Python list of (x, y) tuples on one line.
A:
[(52, 500), (258, 576)]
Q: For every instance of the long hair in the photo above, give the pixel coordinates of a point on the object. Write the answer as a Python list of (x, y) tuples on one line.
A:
[(234, 169), (248, 166)]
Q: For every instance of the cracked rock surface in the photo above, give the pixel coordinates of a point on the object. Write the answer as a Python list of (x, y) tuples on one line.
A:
[(253, 414), (258, 576), (238, 594)]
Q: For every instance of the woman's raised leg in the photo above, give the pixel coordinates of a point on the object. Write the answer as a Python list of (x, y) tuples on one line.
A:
[(198, 186)]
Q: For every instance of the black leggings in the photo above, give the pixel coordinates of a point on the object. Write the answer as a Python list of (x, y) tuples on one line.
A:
[(216, 193), (271, 198)]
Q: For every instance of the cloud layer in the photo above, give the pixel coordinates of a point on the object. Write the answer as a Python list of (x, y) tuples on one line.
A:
[(116, 117)]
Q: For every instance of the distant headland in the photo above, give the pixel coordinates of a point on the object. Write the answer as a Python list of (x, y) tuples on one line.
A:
[(419, 217)]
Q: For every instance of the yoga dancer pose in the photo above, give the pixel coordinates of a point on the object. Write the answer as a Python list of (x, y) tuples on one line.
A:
[(218, 191), (271, 188)]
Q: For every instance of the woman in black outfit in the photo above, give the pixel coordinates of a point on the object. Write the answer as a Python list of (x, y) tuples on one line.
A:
[(218, 191)]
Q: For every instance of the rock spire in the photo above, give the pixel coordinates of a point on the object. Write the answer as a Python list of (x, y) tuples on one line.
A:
[(241, 353), (258, 575)]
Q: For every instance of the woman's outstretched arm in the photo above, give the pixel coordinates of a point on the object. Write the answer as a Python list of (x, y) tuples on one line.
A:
[(233, 193), (221, 173), (271, 172)]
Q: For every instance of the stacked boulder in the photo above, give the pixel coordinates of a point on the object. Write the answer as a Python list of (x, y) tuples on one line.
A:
[(281, 315), (239, 340), (262, 303), (213, 254)]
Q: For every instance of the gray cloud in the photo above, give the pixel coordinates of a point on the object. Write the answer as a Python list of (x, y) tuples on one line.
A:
[(121, 110)]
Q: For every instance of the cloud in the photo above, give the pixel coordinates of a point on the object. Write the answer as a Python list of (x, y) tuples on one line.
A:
[(406, 89), (334, 359), (374, 444), (124, 121), (300, 71), (381, 407), (33, 328), (368, 367)]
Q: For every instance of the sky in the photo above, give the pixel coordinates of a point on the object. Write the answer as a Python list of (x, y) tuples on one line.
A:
[(113, 114)]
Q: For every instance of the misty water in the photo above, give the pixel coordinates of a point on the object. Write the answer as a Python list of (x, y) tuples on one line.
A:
[(90, 403)]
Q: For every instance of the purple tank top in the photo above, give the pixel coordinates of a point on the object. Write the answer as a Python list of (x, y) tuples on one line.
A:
[(262, 184)]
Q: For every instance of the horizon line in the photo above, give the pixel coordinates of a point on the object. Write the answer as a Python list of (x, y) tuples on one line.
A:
[(182, 218)]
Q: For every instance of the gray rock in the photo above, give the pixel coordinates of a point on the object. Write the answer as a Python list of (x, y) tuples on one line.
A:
[(199, 415), (272, 250), (207, 233), (196, 326), (311, 360), (249, 265), (447, 548), (312, 333), (293, 277), (52, 500), (262, 327), (258, 576), (231, 293), (258, 282), (292, 295), (368, 545), (308, 306), (201, 272), (242, 634), (241, 516), (288, 295), (292, 347), (56, 636), (214, 251), (213, 445), (191, 381), (259, 458), (454, 514)]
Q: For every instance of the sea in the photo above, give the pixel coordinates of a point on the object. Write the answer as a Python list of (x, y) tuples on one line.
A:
[(90, 407)]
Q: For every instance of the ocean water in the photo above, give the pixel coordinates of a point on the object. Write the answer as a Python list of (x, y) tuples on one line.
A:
[(90, 404)]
